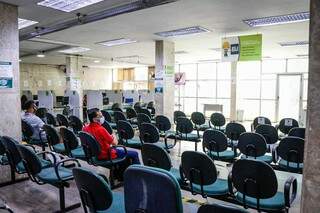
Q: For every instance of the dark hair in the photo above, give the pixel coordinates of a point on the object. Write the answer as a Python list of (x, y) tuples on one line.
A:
[(28, 104), (24, 99), (92, 113)]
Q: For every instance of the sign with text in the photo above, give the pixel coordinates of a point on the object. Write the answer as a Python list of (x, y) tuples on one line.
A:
[(6, 75)]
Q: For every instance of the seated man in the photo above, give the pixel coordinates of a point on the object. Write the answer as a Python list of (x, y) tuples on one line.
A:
[(34, 121), (105, 139)]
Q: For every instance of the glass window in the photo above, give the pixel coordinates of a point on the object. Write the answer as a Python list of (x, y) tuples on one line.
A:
[(273, 66), (268, 89), (250, 108), (141, 73), (189, 89), (226, 106), (207, 89), (224, 89), (190, 70), (248, 89), (189, 105), (202, 101), (268, 110), (305, 90), (176, 90), (269, 76), (249, 70), (207, 71), (224, 70), (298, 65)]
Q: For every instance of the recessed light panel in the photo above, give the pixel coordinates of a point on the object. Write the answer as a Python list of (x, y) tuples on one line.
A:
[(74, 50), (293, 43), (276, 20), (67, 5), (183, 31), (23, 23), (117, 42)]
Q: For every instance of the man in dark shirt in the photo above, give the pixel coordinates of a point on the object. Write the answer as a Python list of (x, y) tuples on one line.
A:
[(106, 140)]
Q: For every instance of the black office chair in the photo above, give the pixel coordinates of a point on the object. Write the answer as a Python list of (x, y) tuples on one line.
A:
[(119, 116), (156, 156), (75, 123), (131, 115), (41, 113), (220, 208), (290, 153), (143, 118), (200, 170), (96, 194), (217, 121), (72, 145), (260, 121), (51, 119), (146, 111), (256, 186), (115, 106), (253, 145), (184, 130), (141, 182), (150, 134), (152, 109), (137, 107), (177, 114), (56, 174), (92, 151), (298, 132), (215, 145), (287, 124), (199, 122), (27, 136), (54, 140), (108, 118), (126, 135), (164, 126), (108, 127), (62, 120), (269, 133), (117, 109), (233, 131), (3, 156)]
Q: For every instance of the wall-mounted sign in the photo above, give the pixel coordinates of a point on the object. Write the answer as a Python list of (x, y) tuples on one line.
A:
[(180, 78), (6, 75), (242, 48), (169, 70)]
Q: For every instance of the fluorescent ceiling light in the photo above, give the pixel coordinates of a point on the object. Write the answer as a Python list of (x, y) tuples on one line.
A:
[(41, 55), (96, 61), (293, 43), (217, 49), (183, 31), (276, 20), (117, 42), (23, 23), (74, 50), (180, 52), (303, 55), (67, 5)]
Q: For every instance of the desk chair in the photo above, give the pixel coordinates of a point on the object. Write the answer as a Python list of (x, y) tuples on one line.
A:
[(108, 118), (3, 157), (184, 130), (126, 135), (62, 120), (298, 132), (200, 170), (260, 121), (233, 131), (56, 174), (27, 133), (41, 113), (215, 145), (120, 116), (199, 122), (217, 121), (75, 123), (54, 140), (131, 115), (146, 111), (72, 145), (152, 109), (164, 126), (254, 184), (137, 107), (95, 193), (142, 118), (108, 127), (220, 208), (51, 119), (143, 194), (177, 114), (287, 124), (253, 145), (269, 133), (150, 134)]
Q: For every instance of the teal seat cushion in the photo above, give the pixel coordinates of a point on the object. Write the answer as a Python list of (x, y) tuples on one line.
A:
[(292, 165), (48, 175), (227, 154), (59, 148), (220, 187), (264, 158), (203, 127), (106, 163), (271, 204), (133, 143), (3, 160), (78, 153), (44, 164), (117, 205), (189, 137), (176, 173), (113, 125), (37, 142)]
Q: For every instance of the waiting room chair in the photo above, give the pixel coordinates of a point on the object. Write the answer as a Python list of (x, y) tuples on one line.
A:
[(164, 126), (117, 109), (75, 123), (137, 107), (199, 122), (149, 133), (152, 109), (220, 208), (126, 135), (142, 118), (269, 133), (51, 119), (200, 170), (41, 113), (146, 111), (54, 140), (72, 144), (108, 118), (119, 116), (56, 174), (254, 184), (184, 130), (27, 133), (95, 193), (215, 145), (3, 157), (298, 132), (217, 121), (62, 120), (260, 121), (131, 115), (108, 127), (115, 106), (177, 114), (286, 124), (143, 194), (233, 131)]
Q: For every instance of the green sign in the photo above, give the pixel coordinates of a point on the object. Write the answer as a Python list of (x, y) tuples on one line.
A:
[(169, 70), (250, 47), (6, 83)]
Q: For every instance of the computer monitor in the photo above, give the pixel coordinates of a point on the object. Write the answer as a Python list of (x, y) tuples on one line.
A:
[(105, 101), (35, 97), (128, 100), (65, 101), (59, 99)]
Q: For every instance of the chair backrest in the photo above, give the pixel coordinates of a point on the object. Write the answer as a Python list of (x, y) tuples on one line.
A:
[(41, 113), (254, 178), (260, 121), (214, 140), (198, 168), (184, 125), (143, 118), (287, 124), (106, 115), (150, 104), (155, 156), (269, 133), (115, 105), (70, 140), (107, 126), (234, 130), (220, 208), (131, 113), (117, 109), (149, 133), (125, 130), (30, 160), (27, 130), (252, 144), (152, 110), (2, 147), (298, 132), (137, 107), (52, 134), (119, 116), (94, 191), (163, 123), (62, 120), (51, 120), (178, 114), (90, 145), (146, 111), (75, 123), (12, 152), (198, 118), (143, 194), (291, 149), (217, 119)]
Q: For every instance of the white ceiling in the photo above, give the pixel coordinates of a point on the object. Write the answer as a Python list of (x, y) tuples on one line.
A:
[(223, 18)]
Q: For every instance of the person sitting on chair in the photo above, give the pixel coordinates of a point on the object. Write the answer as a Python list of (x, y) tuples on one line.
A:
[(106, 140)]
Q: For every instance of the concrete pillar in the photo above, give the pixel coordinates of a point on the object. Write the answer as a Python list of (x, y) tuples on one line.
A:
[(74, 80), (233, 96), (164, 78), (10, 106), (311, 173)]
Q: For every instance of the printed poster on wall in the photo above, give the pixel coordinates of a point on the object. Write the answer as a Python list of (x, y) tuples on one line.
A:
[(6, 75), (242, 48)]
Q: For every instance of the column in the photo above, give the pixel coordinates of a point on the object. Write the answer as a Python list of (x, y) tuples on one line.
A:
[(164, 78), (74, 80), (233, 96), (311, 182)]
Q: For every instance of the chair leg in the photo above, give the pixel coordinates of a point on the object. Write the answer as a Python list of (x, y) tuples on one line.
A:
[(196, 146), (63, 207)]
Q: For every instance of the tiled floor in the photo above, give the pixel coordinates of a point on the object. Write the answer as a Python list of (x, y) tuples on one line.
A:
[(29, 197)]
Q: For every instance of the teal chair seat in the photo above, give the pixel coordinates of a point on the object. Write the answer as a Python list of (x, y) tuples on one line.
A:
[(271, 204), (37, 142), (203, 127), (189, 137), (48, 175), (3, 160), (228, 155), (264, 158), (176, 173), (78, 153), (117, 205), (106, 163), (44, 164), (59, 148), (113, 125), (220, 187), (133, 143), (292, 165)]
